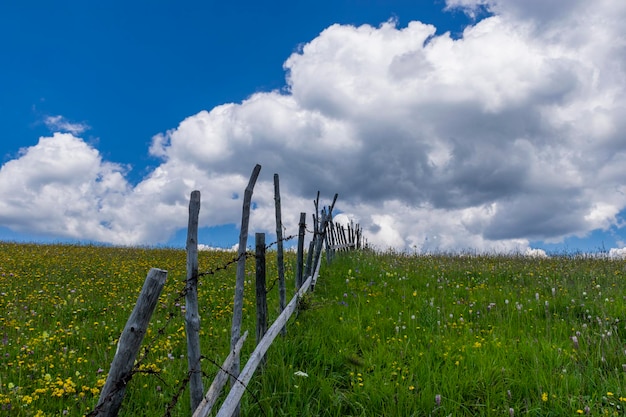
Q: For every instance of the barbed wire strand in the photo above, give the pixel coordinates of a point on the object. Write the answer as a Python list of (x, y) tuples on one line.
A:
[(161, 331)]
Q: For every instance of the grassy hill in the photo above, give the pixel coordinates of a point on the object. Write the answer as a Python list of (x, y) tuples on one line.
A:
[(382, 335)]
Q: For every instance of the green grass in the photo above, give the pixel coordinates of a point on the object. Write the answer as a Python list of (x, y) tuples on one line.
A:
[(389, 334), (382, 335), (62, 310)]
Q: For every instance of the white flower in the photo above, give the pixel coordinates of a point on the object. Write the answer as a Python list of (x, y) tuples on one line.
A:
[(301, 374)]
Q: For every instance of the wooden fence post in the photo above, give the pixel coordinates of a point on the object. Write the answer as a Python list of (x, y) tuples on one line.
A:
[(241, 272), (261, 294), (128, 346), (309, 257), (192, 318), (234, 396), (300, 261), (279, 250), (215, 389)]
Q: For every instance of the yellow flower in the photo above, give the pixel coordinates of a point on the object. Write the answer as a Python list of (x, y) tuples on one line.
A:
[(544, 397), (411, 387), (609, 394)]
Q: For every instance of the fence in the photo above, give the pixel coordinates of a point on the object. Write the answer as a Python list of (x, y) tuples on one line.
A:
[(125, 362)]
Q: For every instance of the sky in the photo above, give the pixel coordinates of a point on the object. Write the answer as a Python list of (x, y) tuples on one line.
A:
[(443, 125)]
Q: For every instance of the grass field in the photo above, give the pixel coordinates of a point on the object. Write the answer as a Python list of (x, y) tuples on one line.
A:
[(382, 335)]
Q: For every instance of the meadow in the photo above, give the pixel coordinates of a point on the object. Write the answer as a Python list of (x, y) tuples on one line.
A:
[(383, 334)]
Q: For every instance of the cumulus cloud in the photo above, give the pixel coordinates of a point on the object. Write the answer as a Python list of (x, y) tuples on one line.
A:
[(511, 133)]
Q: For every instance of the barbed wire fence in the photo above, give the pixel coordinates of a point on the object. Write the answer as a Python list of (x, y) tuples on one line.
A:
[(161, 331), (113, 392)]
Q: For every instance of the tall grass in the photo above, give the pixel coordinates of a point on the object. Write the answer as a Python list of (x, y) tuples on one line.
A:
[(62, 310), (382, 335), (389, 334)]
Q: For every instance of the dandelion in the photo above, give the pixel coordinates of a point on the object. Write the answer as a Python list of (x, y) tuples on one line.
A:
[(544, 397)]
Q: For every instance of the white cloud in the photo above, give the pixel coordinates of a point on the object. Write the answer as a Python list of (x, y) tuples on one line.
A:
[(509, 134), (203, 247), (62, 187), (61, 124), (535, 253), (619, 253)]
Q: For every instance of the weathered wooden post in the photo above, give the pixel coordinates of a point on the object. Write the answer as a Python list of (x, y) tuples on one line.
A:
[(321, 231), (192, 318), (236, 392), (261, 294), (309, 257), (327, 244), (215, 389), (344, 241), (128, 346), (241, 272), (300, 261), (279, 250)]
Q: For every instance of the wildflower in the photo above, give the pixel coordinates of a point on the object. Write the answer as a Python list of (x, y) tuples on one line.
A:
[(411, 387), (438, 400), (544, 397), (301, 374), (511, 412), (575, 342)]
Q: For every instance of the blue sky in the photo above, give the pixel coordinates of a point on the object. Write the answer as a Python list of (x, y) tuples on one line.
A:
[(503, 137)]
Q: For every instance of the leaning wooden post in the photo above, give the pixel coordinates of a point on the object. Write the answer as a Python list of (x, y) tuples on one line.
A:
[(128, 346), (321, 234), (300, 261), (279, 250), (241, 272), (192, 318), (215, 389), (261, 294), (237, 390)]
